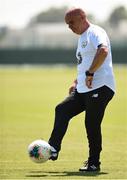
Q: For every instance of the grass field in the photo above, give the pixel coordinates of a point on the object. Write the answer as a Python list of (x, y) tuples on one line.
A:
[(27, 100)]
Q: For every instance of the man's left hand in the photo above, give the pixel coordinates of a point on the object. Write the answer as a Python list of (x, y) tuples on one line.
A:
[(88, 81)]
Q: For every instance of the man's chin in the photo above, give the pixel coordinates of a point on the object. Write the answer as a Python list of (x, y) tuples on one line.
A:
[(76, 32)]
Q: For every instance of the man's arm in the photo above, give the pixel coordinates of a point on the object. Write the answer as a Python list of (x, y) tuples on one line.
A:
[(98, 60)]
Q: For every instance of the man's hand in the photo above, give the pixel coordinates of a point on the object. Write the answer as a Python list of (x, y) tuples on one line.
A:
[(89, 80), (71, 89), (73, 86)]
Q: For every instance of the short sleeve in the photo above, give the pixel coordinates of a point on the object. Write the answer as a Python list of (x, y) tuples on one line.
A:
[(99, 37)]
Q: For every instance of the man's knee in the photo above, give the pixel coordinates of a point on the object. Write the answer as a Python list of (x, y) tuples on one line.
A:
[(59, 109)]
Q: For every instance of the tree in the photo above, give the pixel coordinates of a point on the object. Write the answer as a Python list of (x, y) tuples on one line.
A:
[(52, 15), (120, 13)]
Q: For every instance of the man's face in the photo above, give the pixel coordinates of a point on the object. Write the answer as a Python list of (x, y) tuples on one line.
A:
[(75, 23)]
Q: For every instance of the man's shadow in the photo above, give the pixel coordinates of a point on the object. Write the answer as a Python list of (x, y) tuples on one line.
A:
[(37, 174)]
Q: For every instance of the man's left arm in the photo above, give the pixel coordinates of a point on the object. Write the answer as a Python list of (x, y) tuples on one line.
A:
[(98, 60)]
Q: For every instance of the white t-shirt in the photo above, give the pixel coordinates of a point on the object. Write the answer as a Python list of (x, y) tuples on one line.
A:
[(87, 47)]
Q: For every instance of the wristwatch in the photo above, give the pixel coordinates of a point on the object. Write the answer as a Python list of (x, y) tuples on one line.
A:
[(89, 74)]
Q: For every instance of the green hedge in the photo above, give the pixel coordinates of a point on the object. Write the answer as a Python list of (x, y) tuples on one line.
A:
[(51, 56)]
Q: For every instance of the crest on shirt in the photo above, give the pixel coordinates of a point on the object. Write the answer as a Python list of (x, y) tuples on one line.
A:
[(84, 44)]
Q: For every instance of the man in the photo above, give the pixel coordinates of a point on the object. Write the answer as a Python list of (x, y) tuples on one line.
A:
[(91, 91)]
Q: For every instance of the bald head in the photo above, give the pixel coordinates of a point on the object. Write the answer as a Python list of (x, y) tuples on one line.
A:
[(75, 12), (77, 20)]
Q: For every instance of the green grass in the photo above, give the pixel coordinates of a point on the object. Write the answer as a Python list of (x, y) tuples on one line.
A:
[(27, 101)]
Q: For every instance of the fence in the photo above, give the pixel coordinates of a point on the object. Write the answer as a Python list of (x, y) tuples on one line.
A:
[(51, 56)]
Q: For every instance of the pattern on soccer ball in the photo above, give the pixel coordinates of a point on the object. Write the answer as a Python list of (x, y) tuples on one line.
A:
[(35, 152)]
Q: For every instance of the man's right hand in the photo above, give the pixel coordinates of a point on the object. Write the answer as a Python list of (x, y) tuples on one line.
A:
[(73, 87)]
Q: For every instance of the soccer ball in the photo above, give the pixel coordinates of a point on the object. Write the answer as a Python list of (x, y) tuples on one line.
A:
[(39, 151)]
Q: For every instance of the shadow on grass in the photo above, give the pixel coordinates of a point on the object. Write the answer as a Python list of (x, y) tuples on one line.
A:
[(63, 174)]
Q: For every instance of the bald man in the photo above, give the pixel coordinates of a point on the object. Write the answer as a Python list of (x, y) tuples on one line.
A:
[(91, 91)]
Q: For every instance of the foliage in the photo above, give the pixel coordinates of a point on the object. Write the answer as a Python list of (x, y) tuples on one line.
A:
[(118, 14), (52, 15)]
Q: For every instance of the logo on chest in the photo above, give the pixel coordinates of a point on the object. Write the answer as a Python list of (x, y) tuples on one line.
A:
[(84, 44)]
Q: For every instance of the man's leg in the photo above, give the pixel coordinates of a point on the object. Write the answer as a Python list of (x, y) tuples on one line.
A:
[(64, 111), (96, 102)]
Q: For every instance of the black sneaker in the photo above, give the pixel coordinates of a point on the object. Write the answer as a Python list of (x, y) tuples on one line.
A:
[(90, 167), (54, 154)]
